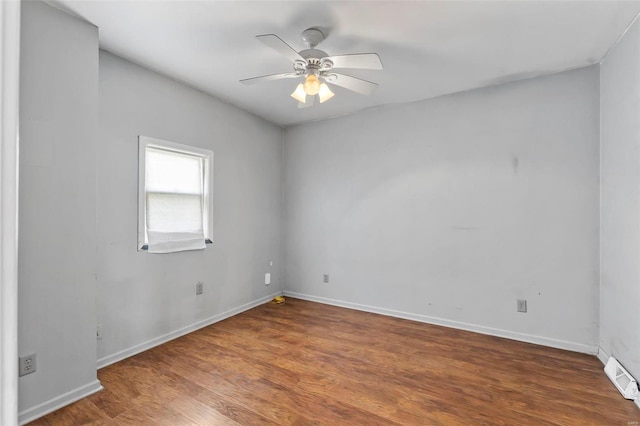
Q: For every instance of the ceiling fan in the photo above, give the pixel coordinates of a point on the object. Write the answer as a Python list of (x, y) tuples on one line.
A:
[(317, 68)]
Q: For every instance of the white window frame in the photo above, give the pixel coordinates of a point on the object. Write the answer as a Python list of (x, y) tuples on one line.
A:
[(205, 154)]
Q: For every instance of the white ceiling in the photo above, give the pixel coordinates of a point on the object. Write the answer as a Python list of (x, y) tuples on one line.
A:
[(428, 48)]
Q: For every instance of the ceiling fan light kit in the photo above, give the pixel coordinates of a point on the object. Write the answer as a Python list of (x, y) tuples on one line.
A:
[(312, 87), (317, 68), (325, 93), (299, 94)]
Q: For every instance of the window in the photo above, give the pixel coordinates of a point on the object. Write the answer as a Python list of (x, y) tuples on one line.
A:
[(175, 201)]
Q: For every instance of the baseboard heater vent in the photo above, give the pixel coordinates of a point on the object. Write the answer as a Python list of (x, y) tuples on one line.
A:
[(621, 378)]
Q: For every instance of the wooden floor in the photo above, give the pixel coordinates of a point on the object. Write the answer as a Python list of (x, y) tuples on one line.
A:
[(307, 363)]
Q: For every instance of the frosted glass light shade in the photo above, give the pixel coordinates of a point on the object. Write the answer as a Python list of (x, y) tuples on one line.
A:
[(324, 93), (299, 94), (311, 85)]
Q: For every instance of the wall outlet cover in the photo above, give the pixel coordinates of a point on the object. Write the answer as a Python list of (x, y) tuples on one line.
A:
[(27, 365), (199, 288), (522, 305)]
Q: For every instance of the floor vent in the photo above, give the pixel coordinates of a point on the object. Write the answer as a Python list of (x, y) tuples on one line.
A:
[(620, 377)]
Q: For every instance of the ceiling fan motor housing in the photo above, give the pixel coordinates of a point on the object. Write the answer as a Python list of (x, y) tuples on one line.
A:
[(317, 60), (313, 54)]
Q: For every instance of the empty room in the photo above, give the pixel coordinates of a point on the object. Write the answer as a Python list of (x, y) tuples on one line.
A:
[(320, 212)]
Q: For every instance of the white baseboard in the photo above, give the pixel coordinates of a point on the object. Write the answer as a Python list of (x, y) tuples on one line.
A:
[(523, 337), (119, 356), (59, 401), (602, 356)]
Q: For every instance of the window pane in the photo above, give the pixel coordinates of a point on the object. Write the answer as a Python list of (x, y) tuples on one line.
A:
[(168, 171), (174, 212)]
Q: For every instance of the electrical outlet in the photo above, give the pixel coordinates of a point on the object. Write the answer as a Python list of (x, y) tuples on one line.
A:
[(267, 278), (27, 365), (325, 278), (99, 332), (199, 288), (522, 305)]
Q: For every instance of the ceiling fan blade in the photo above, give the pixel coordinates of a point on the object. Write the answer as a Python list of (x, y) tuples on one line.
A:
[(308, 102), (254, 80), (277, 44), (364, 61), (354, 84)]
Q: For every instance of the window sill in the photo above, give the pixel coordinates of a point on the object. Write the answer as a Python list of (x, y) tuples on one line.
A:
[(146, 246)]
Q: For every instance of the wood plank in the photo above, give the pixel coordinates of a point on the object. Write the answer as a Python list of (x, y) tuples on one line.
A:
[(304, 363)]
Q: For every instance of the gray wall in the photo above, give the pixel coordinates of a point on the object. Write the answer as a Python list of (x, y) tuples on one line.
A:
[(81, 113), (444, 211), (145, 298), (620, 201), (57, 254), (449, 210)]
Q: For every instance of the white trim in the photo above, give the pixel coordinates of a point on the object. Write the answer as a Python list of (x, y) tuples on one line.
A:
[(522, 337), (602, 356), (9, 126), (119, 356), (59, 401)]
